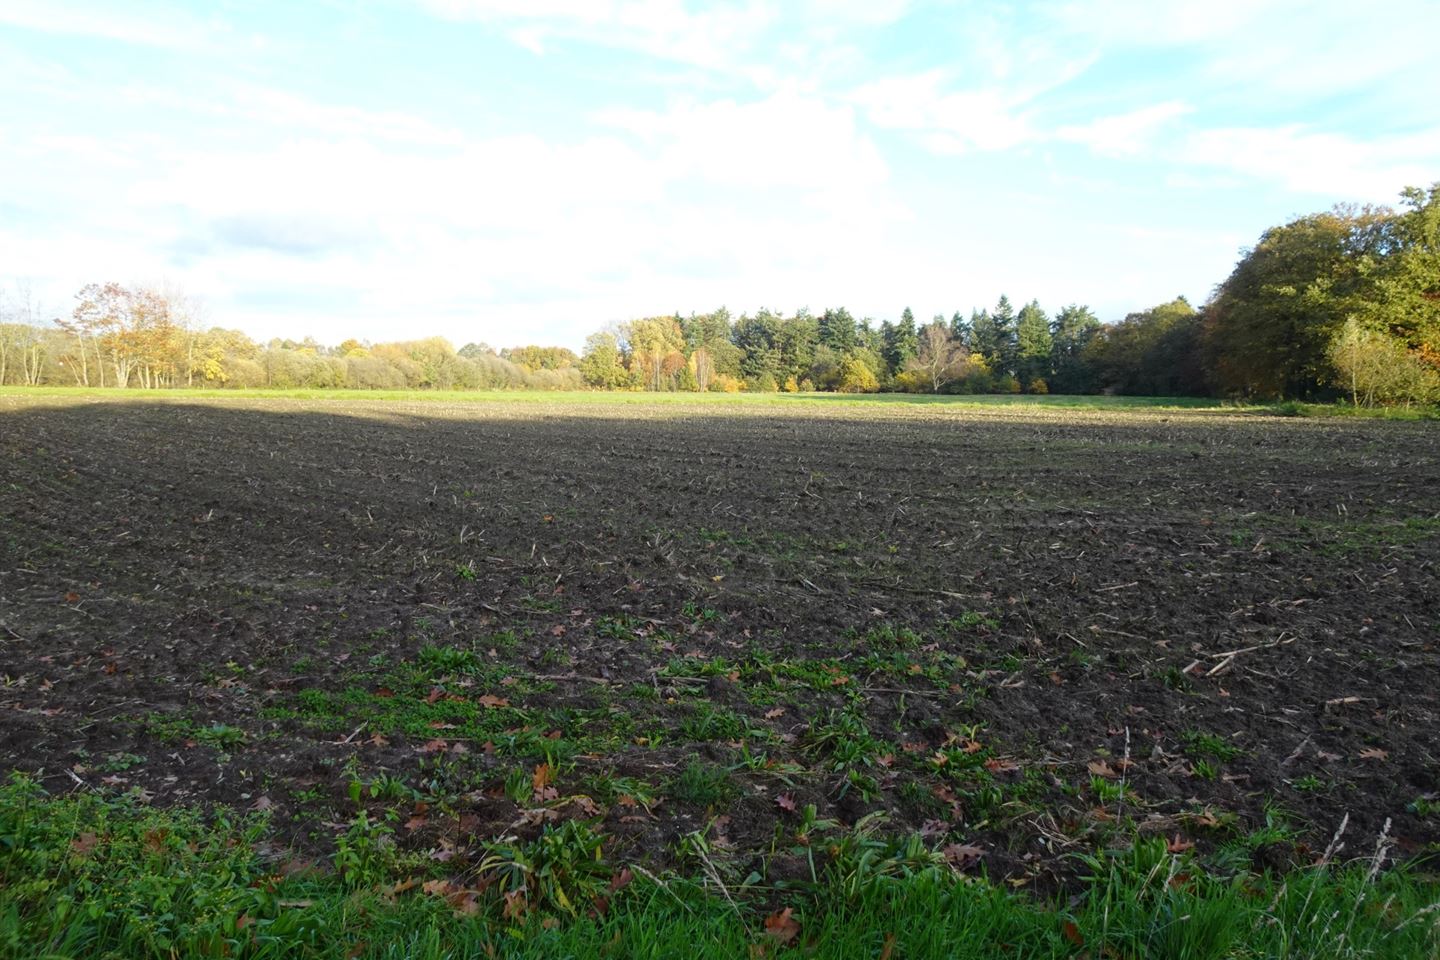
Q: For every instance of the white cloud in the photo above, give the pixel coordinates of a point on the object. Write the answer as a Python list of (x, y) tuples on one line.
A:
[(1290, 47), (1125, 134), (760, 153), (949, 122), (1170, 23), (54, 16), (715, 35), (787, 140), (398, 225), (1317, 162)]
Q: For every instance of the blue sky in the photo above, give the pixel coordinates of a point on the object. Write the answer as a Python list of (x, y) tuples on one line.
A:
[(520, 171)]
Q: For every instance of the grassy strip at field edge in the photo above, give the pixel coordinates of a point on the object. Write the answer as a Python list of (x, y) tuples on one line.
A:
[(90, 875)]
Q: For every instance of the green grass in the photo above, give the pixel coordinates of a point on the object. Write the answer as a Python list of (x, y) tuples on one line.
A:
[(601, 397), (95, 877)]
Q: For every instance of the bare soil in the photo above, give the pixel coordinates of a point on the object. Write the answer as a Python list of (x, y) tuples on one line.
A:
[(1029, 631)]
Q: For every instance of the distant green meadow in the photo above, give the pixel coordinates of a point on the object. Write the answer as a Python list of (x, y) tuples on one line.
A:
[(775, 401)]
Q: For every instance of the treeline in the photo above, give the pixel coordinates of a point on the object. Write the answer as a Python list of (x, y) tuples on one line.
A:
[(1342, 303), (1003, 350), (142, 337)]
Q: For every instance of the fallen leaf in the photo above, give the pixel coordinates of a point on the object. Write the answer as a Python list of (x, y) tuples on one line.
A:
[(1102, 769), (514, 905), (962, 856), (489, 701), (785, 802), (1179, 844), (84, 843), (1072, 933), (1374, 753), (465, 903), (544, 774), (781, 926), (434, 746), (772, 714)]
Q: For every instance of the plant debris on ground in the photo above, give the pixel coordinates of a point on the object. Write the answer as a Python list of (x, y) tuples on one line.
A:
[(524, 660)]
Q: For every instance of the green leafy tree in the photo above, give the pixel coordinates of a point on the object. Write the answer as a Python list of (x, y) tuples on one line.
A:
[(960, 330), (1377, 368), (1033, 343), (1269, 328), (856, 376), (540, 358), (837, 330), (902, 341), (1404, 298), (602, 364), (985, 336), (1007, 351), (1070, 334), (1156, 352), (655, 351)]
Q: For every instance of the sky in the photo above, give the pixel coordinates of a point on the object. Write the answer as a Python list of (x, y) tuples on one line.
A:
[(529, 171)]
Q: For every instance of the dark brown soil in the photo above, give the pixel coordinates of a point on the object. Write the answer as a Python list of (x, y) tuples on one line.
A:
[(1031, 630)]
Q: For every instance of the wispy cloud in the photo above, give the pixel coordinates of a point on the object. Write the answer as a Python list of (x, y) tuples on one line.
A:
[(649, 154), (173, 30), (713, 35), (947, 121), (1125, 134), (1321, 163)]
